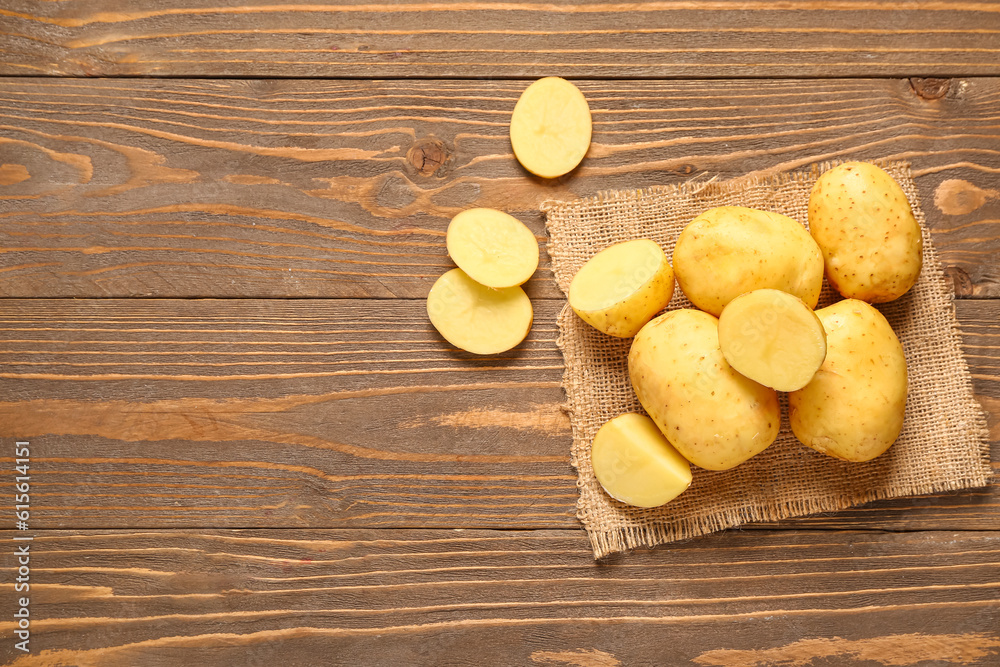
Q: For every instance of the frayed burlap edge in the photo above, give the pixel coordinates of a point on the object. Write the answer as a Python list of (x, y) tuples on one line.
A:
[(605, 540)]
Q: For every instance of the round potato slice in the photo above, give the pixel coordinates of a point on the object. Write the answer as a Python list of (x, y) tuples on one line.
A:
[(476, 318), (773, 338), (622, 287), (636, 465), (493, 248), (550, 128)]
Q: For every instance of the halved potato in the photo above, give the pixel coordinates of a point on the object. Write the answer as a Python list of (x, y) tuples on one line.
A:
[(622, 287), (476, 318), (550, 128), (492, 247), (773, 338), (636, 465)]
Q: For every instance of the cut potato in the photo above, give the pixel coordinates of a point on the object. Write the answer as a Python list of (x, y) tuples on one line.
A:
[(550, 128), (622, 287), (636, 465), (493, 248), (476, 318), (773, 338)]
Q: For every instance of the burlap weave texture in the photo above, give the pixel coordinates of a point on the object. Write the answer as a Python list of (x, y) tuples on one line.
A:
[(942, 447)]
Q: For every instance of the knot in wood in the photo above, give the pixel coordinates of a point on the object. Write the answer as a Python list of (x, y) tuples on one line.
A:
[(960, 281), (429, 156), (930, 88)]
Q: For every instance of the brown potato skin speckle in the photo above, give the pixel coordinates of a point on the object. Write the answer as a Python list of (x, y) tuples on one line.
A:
[(871, 243)]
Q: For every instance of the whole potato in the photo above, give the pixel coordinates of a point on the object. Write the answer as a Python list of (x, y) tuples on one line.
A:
[(729, 250), (863, 223), (715, 417), (853, 407)]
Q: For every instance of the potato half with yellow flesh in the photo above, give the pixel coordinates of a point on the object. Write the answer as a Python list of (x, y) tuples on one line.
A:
[(622, 287), (476, 318), (853, 407), (550, 128), (495, 249), (773, 338), (636, 465)]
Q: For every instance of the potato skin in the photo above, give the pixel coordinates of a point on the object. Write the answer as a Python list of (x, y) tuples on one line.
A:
[(729, 250), (712, 415), (853, 407), (863, 223)]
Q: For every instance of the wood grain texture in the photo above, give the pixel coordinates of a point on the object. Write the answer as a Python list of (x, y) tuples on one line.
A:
[(326, 413), (528, 38), (362, 597), (182, 188)]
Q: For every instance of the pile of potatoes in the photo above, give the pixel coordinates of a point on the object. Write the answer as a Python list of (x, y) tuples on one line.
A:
[(709, 377)]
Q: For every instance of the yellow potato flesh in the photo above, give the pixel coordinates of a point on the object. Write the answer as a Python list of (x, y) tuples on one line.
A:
[(477, 318), (863, 223), (773, 338), (853, 408), (622, 287), (636, 465), (493, 248), (550, 128)]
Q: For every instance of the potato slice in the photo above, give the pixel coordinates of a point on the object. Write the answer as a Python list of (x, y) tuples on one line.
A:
[(622, 287), (550, 128), (636, 465), (477, 318), (773, 338), (493, 248)]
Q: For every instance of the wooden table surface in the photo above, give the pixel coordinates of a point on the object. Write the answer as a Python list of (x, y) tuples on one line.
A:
[(218, 223)]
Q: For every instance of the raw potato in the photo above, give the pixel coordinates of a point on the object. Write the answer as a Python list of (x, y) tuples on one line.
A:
[(772, 337), (493, 248), (715, 417), (550, 128), (622, 287), (870, 240), (729, 250), (477, 318), (636, 465), (853, 407)]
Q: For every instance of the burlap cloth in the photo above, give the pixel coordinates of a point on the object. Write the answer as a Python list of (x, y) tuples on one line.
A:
[(942, 447)]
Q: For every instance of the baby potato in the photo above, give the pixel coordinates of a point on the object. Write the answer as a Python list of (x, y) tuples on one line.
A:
[(853, 407), (864, 226), (476, 318), (550, 127), (772, 337), (493, 248), (715, 417), (729, 250), (635, 464), (620, 288)]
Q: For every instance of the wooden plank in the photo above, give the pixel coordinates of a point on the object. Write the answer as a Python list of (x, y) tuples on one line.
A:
[(180, 188), (528, 38), (522, 598), (325, 413)]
